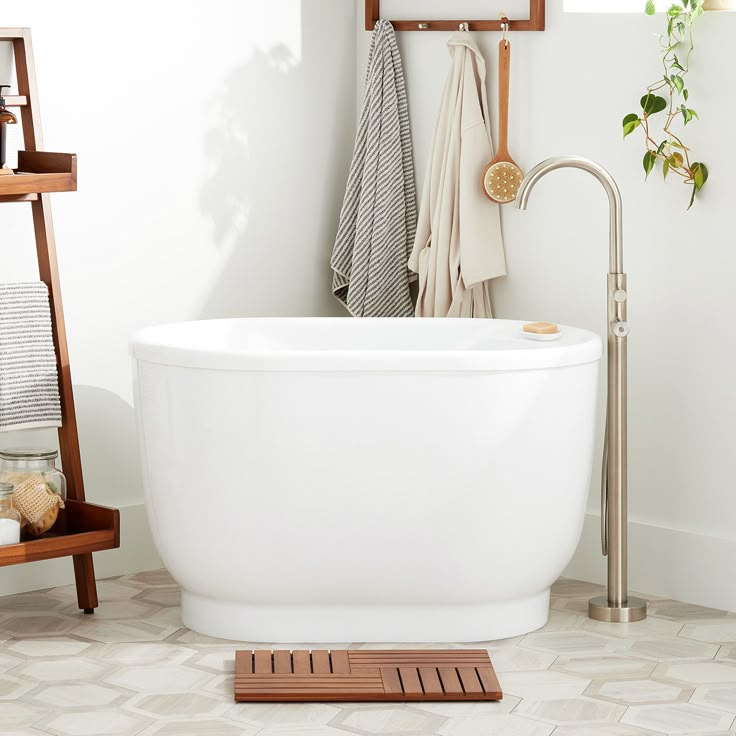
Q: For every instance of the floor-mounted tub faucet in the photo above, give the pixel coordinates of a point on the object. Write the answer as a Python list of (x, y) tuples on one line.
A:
[(617, 606)]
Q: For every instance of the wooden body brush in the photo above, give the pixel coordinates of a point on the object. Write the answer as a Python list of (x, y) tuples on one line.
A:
[(502, 177)]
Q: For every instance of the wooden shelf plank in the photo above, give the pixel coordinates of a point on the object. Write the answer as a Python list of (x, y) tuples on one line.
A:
[(40, 172), (82, 528)]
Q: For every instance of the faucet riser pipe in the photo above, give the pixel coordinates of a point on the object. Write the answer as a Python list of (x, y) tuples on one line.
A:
[(617, 606), (617, 436)]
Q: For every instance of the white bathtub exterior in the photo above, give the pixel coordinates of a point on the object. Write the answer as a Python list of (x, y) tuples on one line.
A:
[(336, 480)]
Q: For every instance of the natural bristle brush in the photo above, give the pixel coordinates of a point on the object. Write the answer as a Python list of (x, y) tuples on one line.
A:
[(502, 177)]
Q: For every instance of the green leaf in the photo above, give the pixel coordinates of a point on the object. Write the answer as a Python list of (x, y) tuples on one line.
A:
[(679, 82), (693, 113), (631, 123), (674, 10), (692, 198), (676, 160), (651, 103), (650, 8), (696, 13), (666, 168), (699, 173), (687, 116), (685, 94), (649, 160), (681, 28), (661, 146), (676, 64)]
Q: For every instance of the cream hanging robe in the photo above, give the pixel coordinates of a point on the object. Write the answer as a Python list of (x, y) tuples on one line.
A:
[(458, 245)]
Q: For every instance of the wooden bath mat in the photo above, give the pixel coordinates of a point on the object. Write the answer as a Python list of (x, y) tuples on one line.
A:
[(365, 674)]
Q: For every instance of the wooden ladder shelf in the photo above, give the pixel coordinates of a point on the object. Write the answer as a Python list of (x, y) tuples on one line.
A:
[(82, 528)]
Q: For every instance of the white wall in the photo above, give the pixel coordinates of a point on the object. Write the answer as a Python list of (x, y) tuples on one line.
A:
[(213, 142), (571, 86)]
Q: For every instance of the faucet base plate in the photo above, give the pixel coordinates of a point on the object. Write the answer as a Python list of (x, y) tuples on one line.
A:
[(600, 609)]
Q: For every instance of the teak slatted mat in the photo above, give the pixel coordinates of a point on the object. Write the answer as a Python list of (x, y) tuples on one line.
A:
[(365, 675)]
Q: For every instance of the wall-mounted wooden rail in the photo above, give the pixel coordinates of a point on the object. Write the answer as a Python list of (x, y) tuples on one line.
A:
[(535, 21)]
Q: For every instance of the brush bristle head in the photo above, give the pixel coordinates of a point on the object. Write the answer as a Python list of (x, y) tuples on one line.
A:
[(502, 181)]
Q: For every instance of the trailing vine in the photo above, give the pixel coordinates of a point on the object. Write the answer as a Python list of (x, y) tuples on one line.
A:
[(671, 153)]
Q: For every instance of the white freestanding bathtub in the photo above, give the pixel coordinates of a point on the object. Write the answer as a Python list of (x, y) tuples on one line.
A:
[(324, 480)]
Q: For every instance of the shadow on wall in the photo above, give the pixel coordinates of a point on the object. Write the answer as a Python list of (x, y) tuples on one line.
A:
[(280, 151), (107, 436)]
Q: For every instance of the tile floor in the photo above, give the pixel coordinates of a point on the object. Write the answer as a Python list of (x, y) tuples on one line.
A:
[(132, 668)]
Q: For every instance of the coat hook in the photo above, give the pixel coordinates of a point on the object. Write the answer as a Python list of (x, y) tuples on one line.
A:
[(465, 27), (424, 26), (505, 25)]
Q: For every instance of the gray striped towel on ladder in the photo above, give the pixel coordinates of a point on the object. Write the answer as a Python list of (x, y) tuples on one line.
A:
[(29, 387), (379, 213)]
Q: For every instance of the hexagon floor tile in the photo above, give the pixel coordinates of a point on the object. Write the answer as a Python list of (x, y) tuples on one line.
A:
[(682, 718), (133, 669), (571, 710), (387, 719), (720, 631), (697, 673), (157, 679), (721, 697), (274, 714), (196, 727), (626, 692), (174, 705), (503, 725), (94, 723)]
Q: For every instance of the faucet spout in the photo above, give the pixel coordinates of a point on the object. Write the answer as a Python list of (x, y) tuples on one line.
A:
[(616, 255)]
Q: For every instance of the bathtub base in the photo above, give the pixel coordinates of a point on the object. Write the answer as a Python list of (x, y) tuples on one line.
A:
[(364, 623)]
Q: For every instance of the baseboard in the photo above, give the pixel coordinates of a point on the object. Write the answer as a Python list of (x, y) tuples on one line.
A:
[(687, 566), (136, 553)]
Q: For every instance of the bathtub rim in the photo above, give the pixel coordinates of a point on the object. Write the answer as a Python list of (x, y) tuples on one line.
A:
[(158, 345)]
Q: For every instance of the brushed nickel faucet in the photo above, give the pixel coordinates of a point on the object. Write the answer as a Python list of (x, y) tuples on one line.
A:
[(617, 606)]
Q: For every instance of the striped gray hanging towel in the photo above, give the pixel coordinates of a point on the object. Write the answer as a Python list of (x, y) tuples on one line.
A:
[(29, 387), (379, 213)]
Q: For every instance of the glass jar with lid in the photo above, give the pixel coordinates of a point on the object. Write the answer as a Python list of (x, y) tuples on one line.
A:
[(10, 518), (39, 486)]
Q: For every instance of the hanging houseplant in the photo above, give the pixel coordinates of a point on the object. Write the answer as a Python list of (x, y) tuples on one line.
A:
[(666, 102)]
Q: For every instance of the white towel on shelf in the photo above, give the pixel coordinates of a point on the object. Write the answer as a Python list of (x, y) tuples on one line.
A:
[(29, 386), (379, 213)]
